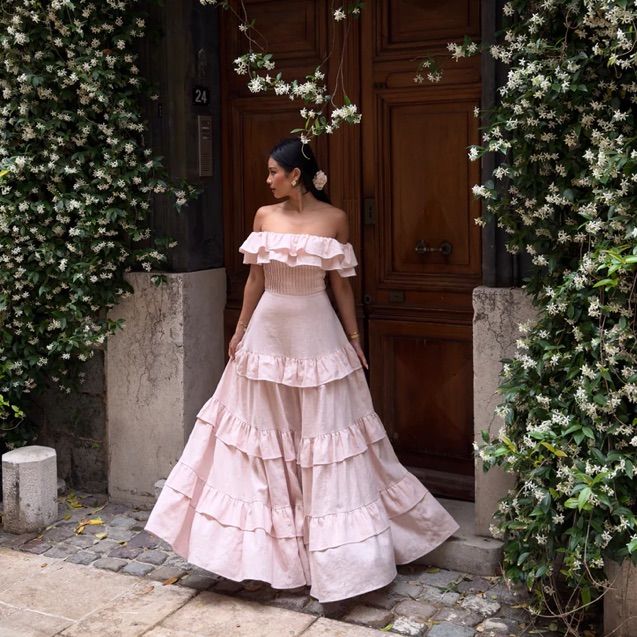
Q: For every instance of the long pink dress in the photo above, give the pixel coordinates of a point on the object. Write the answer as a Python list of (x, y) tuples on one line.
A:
[(288, 476)]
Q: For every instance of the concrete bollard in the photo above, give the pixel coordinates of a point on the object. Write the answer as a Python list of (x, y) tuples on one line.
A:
[(29, 485)]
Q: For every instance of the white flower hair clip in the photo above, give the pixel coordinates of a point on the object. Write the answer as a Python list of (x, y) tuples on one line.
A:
[(319, 180)]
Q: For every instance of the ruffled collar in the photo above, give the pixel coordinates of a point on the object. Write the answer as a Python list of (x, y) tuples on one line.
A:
[(299, 249)]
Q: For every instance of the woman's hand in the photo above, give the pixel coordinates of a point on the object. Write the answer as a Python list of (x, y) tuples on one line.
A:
[(356, 344), (234, 342)]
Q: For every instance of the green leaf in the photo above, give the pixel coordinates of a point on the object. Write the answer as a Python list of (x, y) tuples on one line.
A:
[(583, 497), (557, 452)]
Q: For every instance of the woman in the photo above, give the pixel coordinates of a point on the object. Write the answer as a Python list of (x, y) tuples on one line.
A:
[(288, 476)]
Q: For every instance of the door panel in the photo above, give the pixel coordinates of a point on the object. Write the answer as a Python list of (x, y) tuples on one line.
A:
[(418, 179), (424, 389), (428, 186)]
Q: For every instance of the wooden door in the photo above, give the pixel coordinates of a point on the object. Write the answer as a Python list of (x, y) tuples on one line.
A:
[(417, 196), (403, 177)]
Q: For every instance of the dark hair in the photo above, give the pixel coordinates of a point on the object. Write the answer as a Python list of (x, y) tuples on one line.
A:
[(291, 153)]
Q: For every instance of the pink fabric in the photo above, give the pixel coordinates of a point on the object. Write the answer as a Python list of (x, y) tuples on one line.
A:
[(288, 475)]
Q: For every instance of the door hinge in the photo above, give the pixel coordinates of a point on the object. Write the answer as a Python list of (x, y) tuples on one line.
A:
[(369, 211)]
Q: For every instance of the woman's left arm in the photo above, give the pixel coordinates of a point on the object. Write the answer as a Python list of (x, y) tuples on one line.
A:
[(344, 296)]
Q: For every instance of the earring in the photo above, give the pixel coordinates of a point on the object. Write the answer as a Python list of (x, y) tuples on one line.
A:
[(294, 183)]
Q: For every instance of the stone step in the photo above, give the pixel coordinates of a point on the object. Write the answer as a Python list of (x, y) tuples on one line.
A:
[(465, 551)]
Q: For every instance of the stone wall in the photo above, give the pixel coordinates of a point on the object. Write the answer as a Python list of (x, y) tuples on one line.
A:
[(75, 426), (497, 314), (160, 369)]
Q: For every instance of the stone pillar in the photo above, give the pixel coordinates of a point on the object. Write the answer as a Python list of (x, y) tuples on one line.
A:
[(497, 314), (29, 486), (160, 369), (620, 601)]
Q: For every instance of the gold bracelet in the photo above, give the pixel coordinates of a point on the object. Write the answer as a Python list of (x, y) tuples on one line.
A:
[(353, 336), (243, 325)]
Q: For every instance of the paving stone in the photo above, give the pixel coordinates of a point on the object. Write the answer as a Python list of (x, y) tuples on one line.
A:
[(336, 610), (104, 546), (505, 595), (407, 626), (437, 596), (36, 546), (122, 521), (142, 516), (120, 534), (82, 557), (198, 582), (94, 499), (110, 563), (292, 601), (457, 616), (177, 561), (137, 569), (112, 509), (61, 551), (480, 605), (474, 585), (58, 534), (153, 557), (313, 607), (263, 594), (81, 541), (381, 599), (94, 529), (405, 589), (227, 587), (203, 573), (144, 540), (125, 552), (517, 614), (166, 572), (420, 611), (498, 626), (447, 629), (13, 540), (368, 616), (440, 578)]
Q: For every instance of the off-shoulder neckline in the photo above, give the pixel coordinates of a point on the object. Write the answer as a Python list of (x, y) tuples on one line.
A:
[(299, 234)]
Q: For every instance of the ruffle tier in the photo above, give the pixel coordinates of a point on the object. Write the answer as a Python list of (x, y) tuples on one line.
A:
[(318, 532), (297, 372), (299, 249), (271, 444)]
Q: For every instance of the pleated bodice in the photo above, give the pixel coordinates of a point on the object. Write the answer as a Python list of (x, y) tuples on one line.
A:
[(280, 278)]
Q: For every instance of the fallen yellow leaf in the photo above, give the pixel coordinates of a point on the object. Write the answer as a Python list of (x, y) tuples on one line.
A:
[(101, 536), (171, 580)]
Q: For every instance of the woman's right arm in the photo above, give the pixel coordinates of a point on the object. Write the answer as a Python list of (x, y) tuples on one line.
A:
[(252, 292)]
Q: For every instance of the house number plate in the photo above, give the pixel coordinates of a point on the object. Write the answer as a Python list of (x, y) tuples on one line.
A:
[(201, 96)]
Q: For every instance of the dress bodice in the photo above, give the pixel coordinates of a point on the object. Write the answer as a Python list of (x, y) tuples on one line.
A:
[(296, 263), (280, 278)]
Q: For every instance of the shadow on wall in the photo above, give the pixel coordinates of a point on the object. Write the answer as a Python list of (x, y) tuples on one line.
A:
[(75, 426)]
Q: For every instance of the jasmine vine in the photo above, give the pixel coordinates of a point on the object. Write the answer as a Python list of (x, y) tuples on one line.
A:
[(565, 193), (75, 200), (321, 113)]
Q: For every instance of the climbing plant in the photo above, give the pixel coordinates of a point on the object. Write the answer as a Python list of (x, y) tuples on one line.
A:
[(565, 193), (74, 204)]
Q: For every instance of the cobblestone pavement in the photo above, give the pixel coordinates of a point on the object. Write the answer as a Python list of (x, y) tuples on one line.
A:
[(422, 601)]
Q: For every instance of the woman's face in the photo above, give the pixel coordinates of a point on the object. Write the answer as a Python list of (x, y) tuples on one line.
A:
[(279, 181)]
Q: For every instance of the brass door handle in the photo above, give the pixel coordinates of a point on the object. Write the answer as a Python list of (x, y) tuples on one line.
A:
[(445, 248)]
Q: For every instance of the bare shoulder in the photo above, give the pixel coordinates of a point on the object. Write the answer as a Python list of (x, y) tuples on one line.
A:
[(261, 215), (340, 223)]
